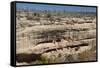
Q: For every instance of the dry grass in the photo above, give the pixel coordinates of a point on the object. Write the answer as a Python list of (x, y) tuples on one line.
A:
[(87, 55)]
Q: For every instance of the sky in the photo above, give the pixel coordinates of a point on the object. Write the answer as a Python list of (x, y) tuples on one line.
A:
[(55, 7)]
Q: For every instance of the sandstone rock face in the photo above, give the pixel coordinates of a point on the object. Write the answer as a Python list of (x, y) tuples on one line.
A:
[(43, 38)]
